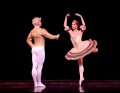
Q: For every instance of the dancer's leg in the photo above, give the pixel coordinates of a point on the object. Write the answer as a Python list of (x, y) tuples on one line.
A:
[(34, 67), (81, 70), (40, 62)]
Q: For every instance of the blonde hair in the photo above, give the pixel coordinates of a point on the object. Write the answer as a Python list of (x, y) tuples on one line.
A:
[(36, 20)]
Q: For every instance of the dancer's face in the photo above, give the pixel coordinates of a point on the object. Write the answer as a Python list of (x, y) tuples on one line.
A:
[(74, 25), (37, 21)]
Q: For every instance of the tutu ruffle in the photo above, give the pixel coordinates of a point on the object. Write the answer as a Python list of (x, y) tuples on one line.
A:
[(85, 49)]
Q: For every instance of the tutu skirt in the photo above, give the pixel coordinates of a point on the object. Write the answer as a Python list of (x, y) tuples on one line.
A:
[(85, 48)]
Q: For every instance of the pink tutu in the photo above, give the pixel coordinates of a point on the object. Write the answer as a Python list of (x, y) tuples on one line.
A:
[(85, 48)]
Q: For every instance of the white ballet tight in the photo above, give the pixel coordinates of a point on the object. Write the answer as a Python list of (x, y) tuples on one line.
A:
[(81, 71), (38, 57)]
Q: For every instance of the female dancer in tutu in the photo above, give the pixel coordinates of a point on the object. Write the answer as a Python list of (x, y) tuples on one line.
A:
[(80, 48)]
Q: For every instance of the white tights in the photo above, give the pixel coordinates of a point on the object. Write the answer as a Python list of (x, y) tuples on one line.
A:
[(81, 71), (38, 57)]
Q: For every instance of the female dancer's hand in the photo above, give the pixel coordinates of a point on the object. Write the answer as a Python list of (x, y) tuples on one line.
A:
[(76, 14), (68, 15)]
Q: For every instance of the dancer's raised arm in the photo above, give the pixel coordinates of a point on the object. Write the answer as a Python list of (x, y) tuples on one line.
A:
[(66, 27), (83, 26)]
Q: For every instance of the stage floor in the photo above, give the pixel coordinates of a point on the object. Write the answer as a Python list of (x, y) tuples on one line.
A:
[(57, 86)]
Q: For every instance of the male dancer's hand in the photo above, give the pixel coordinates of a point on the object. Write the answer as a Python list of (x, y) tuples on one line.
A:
[(58, 35)]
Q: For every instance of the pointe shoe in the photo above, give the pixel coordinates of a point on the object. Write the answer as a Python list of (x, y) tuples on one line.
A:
[(95, 50), (80, 81), (81, 89), (41, 85), (39, 89)]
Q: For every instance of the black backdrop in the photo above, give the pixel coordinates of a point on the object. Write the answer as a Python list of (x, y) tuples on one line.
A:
[(101, 24)]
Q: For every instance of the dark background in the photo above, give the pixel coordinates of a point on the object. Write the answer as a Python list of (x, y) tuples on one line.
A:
[(101, 20)]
